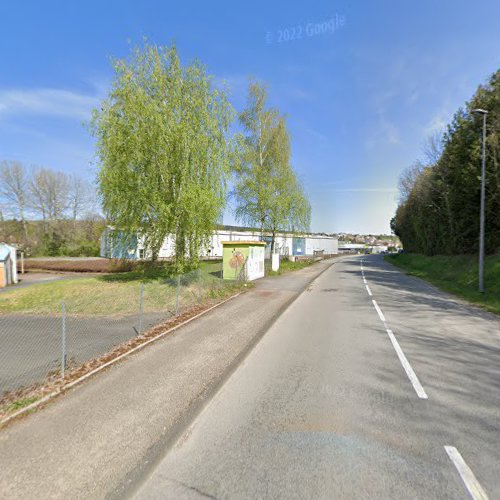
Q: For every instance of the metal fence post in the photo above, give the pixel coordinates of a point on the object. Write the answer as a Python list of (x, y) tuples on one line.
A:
[(177, 294), (63, 338), (200, 284), (141, 307)]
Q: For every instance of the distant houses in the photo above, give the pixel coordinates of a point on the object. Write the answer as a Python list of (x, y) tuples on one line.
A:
[(119, 245), (362, 248)]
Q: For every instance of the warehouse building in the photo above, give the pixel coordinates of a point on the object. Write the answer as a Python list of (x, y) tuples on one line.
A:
[(119, 245)]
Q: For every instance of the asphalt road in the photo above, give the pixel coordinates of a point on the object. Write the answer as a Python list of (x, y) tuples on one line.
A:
[(101, 438), (349, 398)]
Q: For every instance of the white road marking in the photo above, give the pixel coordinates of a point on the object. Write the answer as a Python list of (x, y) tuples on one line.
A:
[(470, 481), (379, 311), (407, 367), (401, 355)]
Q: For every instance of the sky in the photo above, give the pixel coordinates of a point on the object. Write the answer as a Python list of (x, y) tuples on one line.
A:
[(362, 83)]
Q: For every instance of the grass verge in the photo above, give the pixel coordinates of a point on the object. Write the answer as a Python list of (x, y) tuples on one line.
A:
[(287, 266), (457, 274), (17, 404), (119, 294)]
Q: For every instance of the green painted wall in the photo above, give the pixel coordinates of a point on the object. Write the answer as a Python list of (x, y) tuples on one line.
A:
[(233, 258)]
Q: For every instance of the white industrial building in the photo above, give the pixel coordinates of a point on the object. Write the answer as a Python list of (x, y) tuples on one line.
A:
[(287, 244)]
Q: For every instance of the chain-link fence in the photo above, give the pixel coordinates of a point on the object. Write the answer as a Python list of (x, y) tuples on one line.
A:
[(44, 334)]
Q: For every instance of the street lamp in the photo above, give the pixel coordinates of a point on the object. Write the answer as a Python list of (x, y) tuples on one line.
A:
[(483, 195)]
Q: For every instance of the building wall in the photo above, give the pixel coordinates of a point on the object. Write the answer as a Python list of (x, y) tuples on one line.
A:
[(234, 257), (3, 280), (132, 247), (9, 265), (329, 246), (119, 245)]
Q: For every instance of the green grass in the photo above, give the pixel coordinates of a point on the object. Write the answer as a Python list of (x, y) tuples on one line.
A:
[(18, 404), (287, 265), (118, 294), (457, 274)]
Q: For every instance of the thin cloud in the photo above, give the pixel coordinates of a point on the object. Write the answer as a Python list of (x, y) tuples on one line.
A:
[(385, 131), (47, 102), (437, 124)]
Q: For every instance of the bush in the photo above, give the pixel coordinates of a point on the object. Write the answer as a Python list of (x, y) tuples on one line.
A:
[(81, 266), (83, 249)]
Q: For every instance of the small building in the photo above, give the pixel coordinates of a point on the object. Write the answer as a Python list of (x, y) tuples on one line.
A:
[(8, 265), (243, 259), (352, 248)]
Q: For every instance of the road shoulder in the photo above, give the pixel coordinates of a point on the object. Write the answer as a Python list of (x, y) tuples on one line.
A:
[(104, 435)]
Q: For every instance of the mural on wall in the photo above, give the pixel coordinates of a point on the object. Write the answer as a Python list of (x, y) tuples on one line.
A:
[(237, 260)]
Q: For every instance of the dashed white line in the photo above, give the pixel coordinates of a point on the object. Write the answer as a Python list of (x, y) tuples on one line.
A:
[(401, 355), (470, 481), (407, 367), (379, 311)]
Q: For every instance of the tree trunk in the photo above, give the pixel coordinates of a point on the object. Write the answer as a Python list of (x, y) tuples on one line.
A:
[(25, 226)]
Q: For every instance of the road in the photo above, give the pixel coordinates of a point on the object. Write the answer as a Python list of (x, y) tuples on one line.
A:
[(372, 384), (102, 437)]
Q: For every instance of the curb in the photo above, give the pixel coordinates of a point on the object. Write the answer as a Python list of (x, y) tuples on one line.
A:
[(64, 388)]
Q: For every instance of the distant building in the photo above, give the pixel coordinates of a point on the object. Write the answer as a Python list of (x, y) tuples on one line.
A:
[(352, 247), (117, 244)]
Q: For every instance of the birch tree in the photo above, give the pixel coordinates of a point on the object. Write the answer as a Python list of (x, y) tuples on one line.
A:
[(267, 191), (164, 149), (14, 190), (49, 193), (78, 197)]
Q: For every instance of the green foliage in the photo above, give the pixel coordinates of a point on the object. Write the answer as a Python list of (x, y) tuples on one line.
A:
[(288, 265), (439, 210), (18, 404), (162, 138), (53, 244), (267, 191), (457, 274), (83, 249)]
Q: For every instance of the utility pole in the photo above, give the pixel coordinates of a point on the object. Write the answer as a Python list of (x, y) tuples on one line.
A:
[(484, 113)]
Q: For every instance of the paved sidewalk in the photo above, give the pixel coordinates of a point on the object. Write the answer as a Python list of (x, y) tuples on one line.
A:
[(101, 436)]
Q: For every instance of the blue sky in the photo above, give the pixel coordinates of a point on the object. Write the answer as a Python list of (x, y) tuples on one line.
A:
[(361, 97)]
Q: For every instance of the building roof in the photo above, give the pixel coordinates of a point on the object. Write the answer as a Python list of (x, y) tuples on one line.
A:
[(243, 242), (4, 251)]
